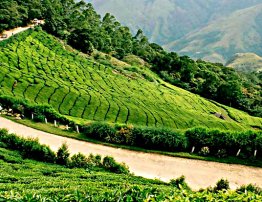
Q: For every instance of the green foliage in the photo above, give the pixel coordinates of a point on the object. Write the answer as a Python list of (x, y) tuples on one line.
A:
[(159, 138), (179, 183), (225, 142), (62, 156), (100, 131), (78, 161), (250, 188), (110, 164), (221, 185), (206, 142), (95, 160), (212, 81), (29, 148)]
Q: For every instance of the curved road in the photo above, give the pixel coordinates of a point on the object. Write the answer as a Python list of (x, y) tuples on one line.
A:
[(199, 174), (14, 31)]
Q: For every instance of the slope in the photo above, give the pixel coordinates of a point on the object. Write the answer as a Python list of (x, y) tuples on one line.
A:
[(221, 39), (246, 62), (35, 66)]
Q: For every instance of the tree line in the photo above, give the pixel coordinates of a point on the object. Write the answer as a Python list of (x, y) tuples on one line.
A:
[(77, 23)]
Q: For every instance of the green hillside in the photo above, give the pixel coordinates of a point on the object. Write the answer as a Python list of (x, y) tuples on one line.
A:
[(36, 66), (246, 62), (219, 40)]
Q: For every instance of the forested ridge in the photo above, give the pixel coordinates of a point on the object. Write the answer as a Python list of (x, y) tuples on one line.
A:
[(80, 26)]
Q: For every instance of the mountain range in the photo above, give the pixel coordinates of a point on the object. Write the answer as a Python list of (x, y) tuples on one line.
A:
[(246, 62), (211, 30)]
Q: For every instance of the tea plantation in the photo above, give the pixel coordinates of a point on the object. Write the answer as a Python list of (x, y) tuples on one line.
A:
[(35, 66), (23, 179)]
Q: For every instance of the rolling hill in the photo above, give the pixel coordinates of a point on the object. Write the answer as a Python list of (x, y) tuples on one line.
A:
[(221, 39), (246, 62), (37, 67)]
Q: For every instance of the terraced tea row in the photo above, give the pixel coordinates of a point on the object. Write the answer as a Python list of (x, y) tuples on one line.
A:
[(35, 66)]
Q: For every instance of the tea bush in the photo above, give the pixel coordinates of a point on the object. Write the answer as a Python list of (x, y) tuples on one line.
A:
[(29, 148)]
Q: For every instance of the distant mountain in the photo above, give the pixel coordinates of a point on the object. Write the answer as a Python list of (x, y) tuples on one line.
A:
[(176, 23), (241, 32), (246, 62)]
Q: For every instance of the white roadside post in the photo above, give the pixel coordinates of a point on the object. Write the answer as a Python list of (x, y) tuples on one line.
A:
[(32, 116), (67, 128), (255, 153), (55, 123), (193, 149), (77, 129), (238, 152), (46, 120)]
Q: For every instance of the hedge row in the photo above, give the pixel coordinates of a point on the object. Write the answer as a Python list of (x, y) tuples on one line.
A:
[(29, 148), (150, 138), (218, 143), (32, 149), (229, 142), (40, 111)]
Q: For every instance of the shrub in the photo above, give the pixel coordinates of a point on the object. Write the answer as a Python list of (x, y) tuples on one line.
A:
[(204, 151), (159, 138), (228, 142), (100, 131), (179, 183), (78, 161), (111, 165), (250, 188), (221, 153), (95, 160), (26, 108), (221, 185), (29, 148), (62, 156)]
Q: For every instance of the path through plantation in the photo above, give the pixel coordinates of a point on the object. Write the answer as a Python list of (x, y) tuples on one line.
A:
[(14, 31), (199, 174)]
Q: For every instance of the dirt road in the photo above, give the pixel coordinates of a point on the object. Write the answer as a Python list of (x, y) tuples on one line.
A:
[(11, 32), (199, 174)]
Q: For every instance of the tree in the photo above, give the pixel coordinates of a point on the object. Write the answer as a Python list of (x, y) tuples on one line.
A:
[(230, 93), (81, 40)]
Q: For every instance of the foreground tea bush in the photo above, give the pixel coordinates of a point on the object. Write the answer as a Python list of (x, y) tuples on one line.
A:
[(138, 194), (32, 149), (88, 179), (29, 148)]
